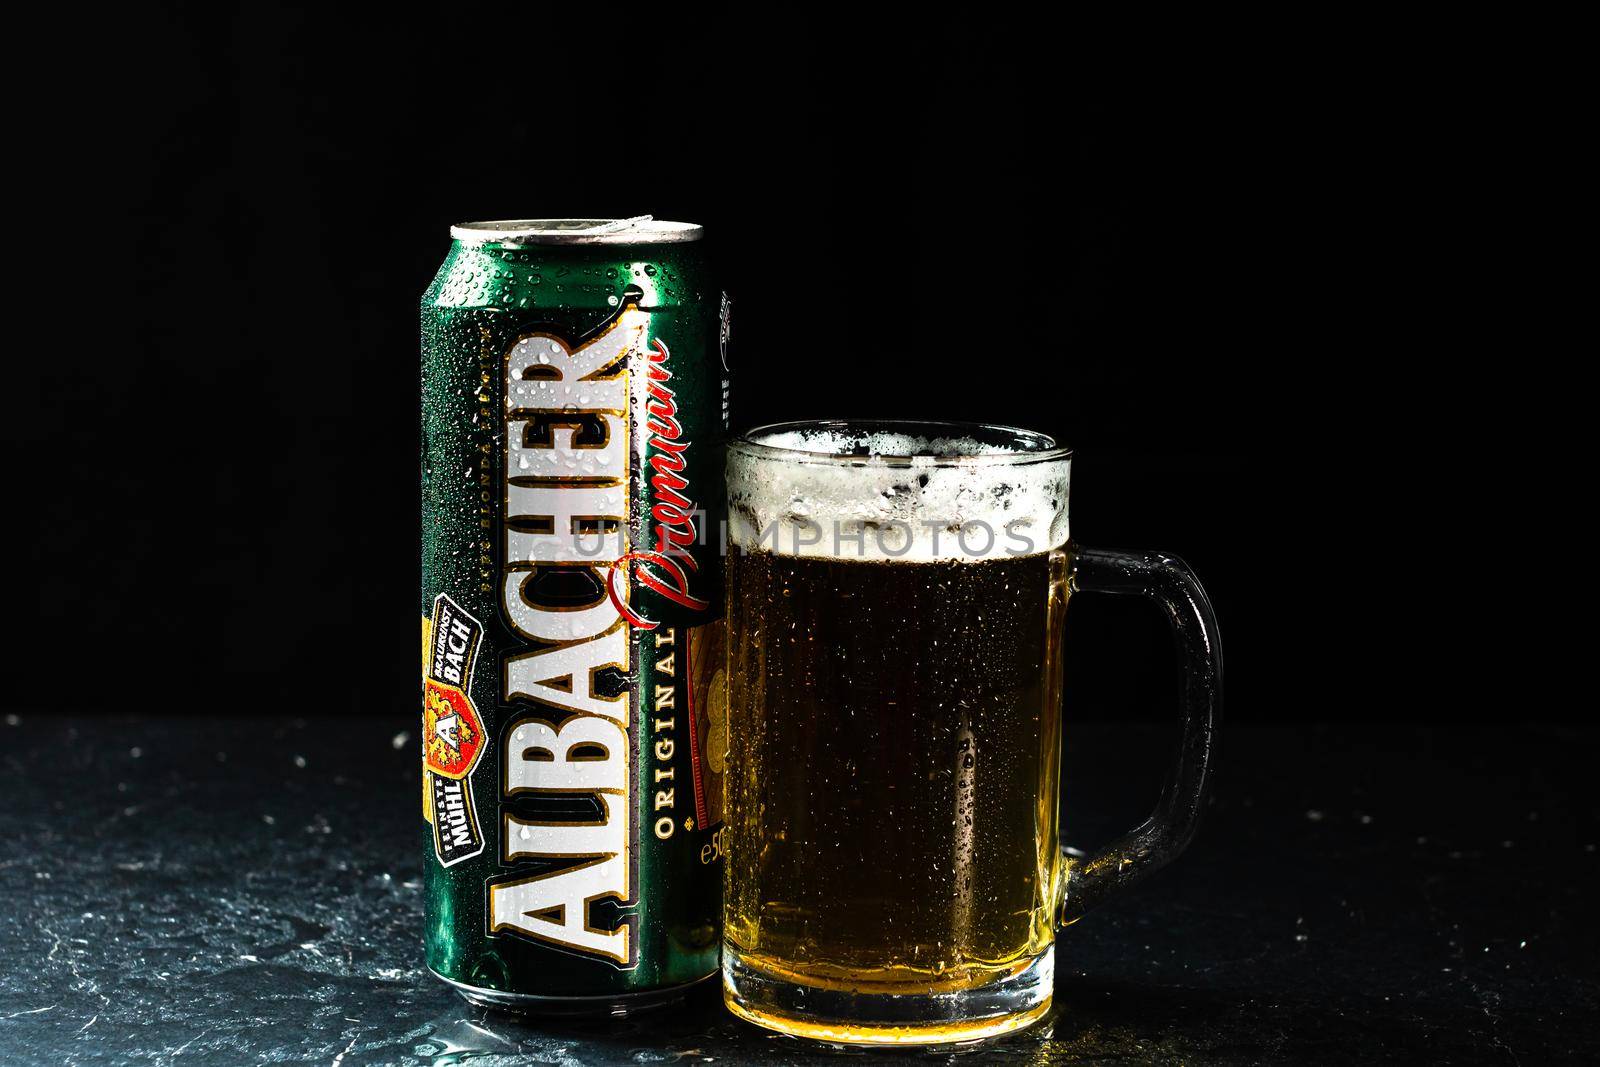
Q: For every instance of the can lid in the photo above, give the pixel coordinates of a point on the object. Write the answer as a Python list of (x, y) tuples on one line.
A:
[(639, 230)]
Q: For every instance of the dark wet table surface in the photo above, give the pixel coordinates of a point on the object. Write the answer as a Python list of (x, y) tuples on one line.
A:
[(246, 891)]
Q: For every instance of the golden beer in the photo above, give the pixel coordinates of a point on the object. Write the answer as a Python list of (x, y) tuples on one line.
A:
[(895, 748)]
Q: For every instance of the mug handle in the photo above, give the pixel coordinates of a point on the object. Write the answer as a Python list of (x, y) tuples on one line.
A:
[(1146, 849)]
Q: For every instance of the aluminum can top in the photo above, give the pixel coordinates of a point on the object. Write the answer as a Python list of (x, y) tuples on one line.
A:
[(516, 233)]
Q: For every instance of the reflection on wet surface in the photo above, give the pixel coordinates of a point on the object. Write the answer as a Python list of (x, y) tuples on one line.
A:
[(247, 892)]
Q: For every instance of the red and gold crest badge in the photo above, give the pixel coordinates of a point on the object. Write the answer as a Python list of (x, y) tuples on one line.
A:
[(452, 733)]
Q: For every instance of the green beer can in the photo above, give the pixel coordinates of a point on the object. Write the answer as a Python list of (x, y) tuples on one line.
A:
[(574, 408)]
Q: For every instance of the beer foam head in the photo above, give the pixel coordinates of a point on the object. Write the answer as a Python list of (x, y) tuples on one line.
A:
[(908, 491)]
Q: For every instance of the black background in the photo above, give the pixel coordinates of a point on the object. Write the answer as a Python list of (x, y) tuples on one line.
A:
[(1287, 289)]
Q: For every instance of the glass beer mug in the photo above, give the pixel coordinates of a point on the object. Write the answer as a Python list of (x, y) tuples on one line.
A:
[(895, 598)]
